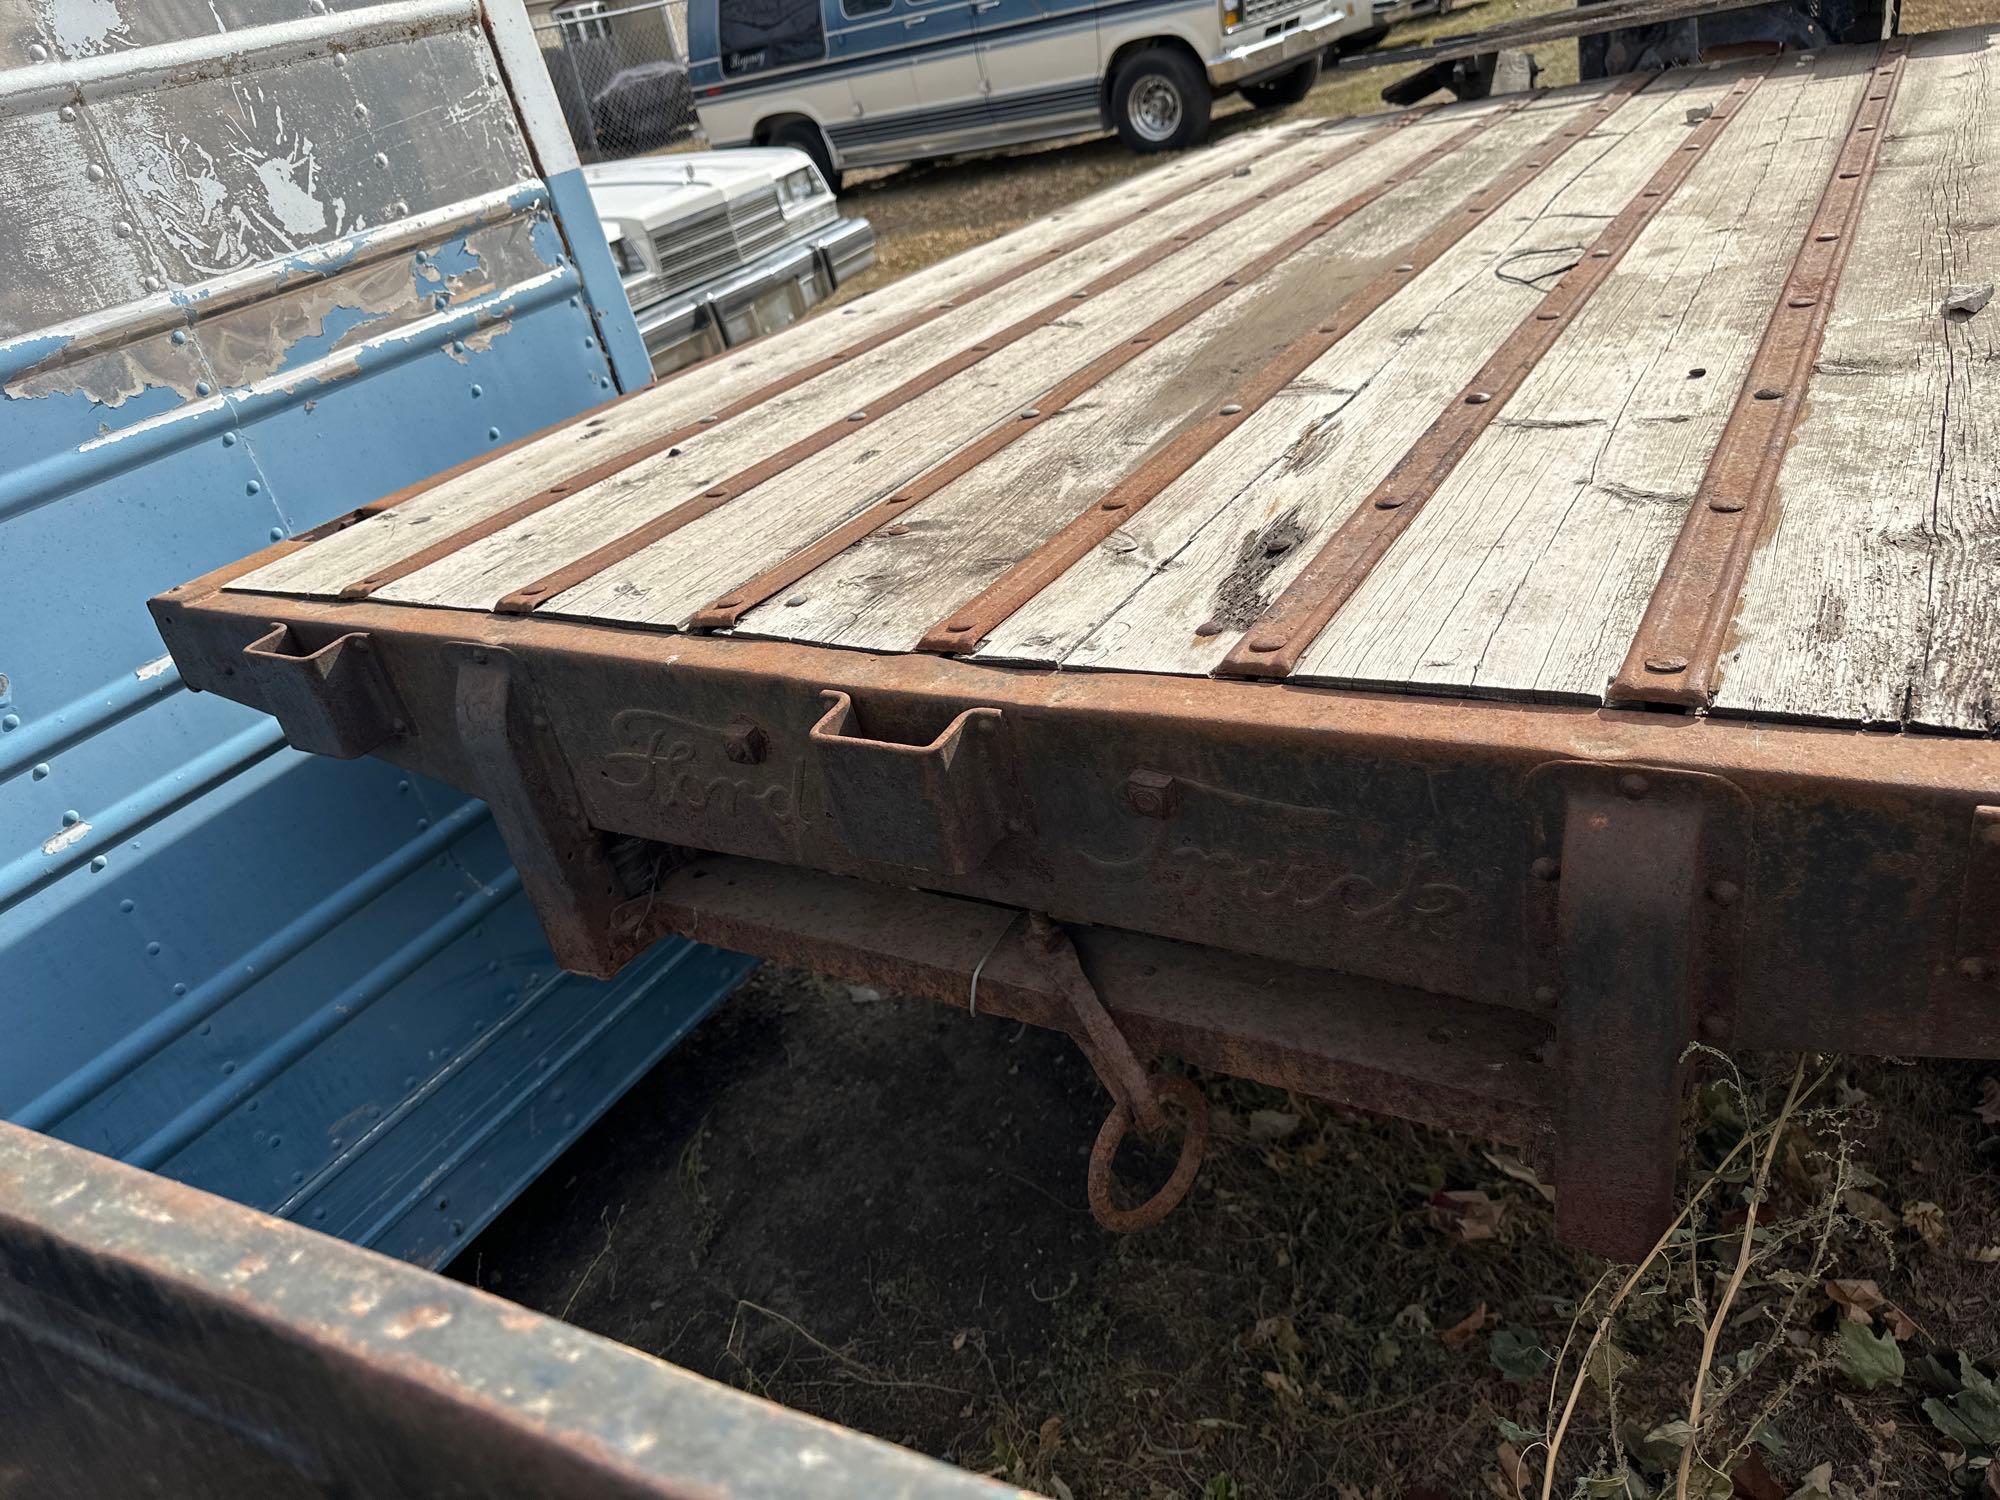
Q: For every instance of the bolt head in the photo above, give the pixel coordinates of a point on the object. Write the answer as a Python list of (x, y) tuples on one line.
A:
[(1974, 969), (1989, 832), (1152, 794), (1545, 994), (745, 743), (1725, 892), (1545, 868), (1632, 785)]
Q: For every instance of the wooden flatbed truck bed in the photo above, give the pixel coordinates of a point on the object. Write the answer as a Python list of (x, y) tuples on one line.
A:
[(1441, 611)]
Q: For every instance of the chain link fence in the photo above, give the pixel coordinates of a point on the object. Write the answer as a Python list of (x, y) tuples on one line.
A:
[(620, 72)]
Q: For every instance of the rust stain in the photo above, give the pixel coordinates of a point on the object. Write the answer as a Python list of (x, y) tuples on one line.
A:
[(421, 1318)]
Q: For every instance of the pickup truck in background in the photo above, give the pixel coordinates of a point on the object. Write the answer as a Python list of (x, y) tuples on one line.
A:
[(716, 247)]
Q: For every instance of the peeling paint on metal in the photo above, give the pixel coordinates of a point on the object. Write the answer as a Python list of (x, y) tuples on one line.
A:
[(180, 309), (83, 27), (243, 345), (70, 835), (212, 171), (154, 668)]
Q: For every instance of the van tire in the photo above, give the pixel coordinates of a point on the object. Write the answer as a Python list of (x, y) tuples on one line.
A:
[(1288, 87), (1160, 100), (803, 135)]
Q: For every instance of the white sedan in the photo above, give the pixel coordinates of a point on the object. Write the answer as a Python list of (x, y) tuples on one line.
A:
[(716, 247)]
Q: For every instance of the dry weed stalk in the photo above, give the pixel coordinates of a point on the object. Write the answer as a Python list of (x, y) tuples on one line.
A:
[(1768, 1137), (1743, 1251)]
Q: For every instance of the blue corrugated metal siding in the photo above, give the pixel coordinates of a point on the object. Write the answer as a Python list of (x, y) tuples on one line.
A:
[(308, 985)]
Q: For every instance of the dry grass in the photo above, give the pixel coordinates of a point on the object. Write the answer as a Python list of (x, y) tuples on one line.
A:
[(878, 1219)]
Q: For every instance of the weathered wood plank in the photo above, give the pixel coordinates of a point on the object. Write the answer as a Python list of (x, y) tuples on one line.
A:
[(666, 582), (1876, 597), (884, 592), (1529, 569), (324, 567), (1172, 590), (485, 571)]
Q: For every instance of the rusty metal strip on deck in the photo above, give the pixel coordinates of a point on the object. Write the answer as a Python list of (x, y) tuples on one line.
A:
[(729, 607), (964, 627), (526, 599), (1678, 645), (606, 468), (1272, 647)]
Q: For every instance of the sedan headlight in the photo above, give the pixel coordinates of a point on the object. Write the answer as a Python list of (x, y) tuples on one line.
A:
[(801, 186), (625, 255)]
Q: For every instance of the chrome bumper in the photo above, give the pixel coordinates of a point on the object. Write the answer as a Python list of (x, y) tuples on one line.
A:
[(763, 297), (1249, 60)]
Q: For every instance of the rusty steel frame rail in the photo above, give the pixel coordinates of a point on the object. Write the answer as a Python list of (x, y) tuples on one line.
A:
[(962, 628), (1805, 887), (1679, 642), (1272, 646), (729, 607), (531, 596), (157, 1340)]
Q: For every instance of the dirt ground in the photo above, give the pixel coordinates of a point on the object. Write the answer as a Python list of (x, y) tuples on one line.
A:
[(872, 1209)]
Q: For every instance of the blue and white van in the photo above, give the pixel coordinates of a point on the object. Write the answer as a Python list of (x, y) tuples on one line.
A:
[(870, 82)]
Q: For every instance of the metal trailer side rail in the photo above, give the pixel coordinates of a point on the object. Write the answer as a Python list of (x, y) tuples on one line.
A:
[(1558, 900), (157, 1340)]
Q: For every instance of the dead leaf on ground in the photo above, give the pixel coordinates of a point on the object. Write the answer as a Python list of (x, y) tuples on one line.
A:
[(1287, 1388), (1520, 1171), (1467, 1213), (1460, 1333), (1607, 1365), (1276, 1331), (1753, 1481), (1513, 1466), (1927, 1219), (1857, 1300), (1051, 1434), (1988, 1107)]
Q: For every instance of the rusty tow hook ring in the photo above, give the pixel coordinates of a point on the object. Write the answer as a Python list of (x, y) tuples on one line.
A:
[(1112, 1133)]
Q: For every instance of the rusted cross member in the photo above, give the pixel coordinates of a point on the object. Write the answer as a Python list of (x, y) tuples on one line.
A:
[(1638, 876)]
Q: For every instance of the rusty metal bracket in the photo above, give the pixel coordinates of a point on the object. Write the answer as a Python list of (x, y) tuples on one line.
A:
[(334, 701), (1979, 908), (936, 806), (566, 865), (1136, 1096), (1636, 877)]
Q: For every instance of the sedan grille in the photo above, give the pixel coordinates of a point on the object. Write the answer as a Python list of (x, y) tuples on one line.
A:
[(719, 240)]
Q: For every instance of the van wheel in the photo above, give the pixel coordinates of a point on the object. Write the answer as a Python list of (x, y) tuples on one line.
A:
[(1287, 88), (1160, 101), (803, 135)]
